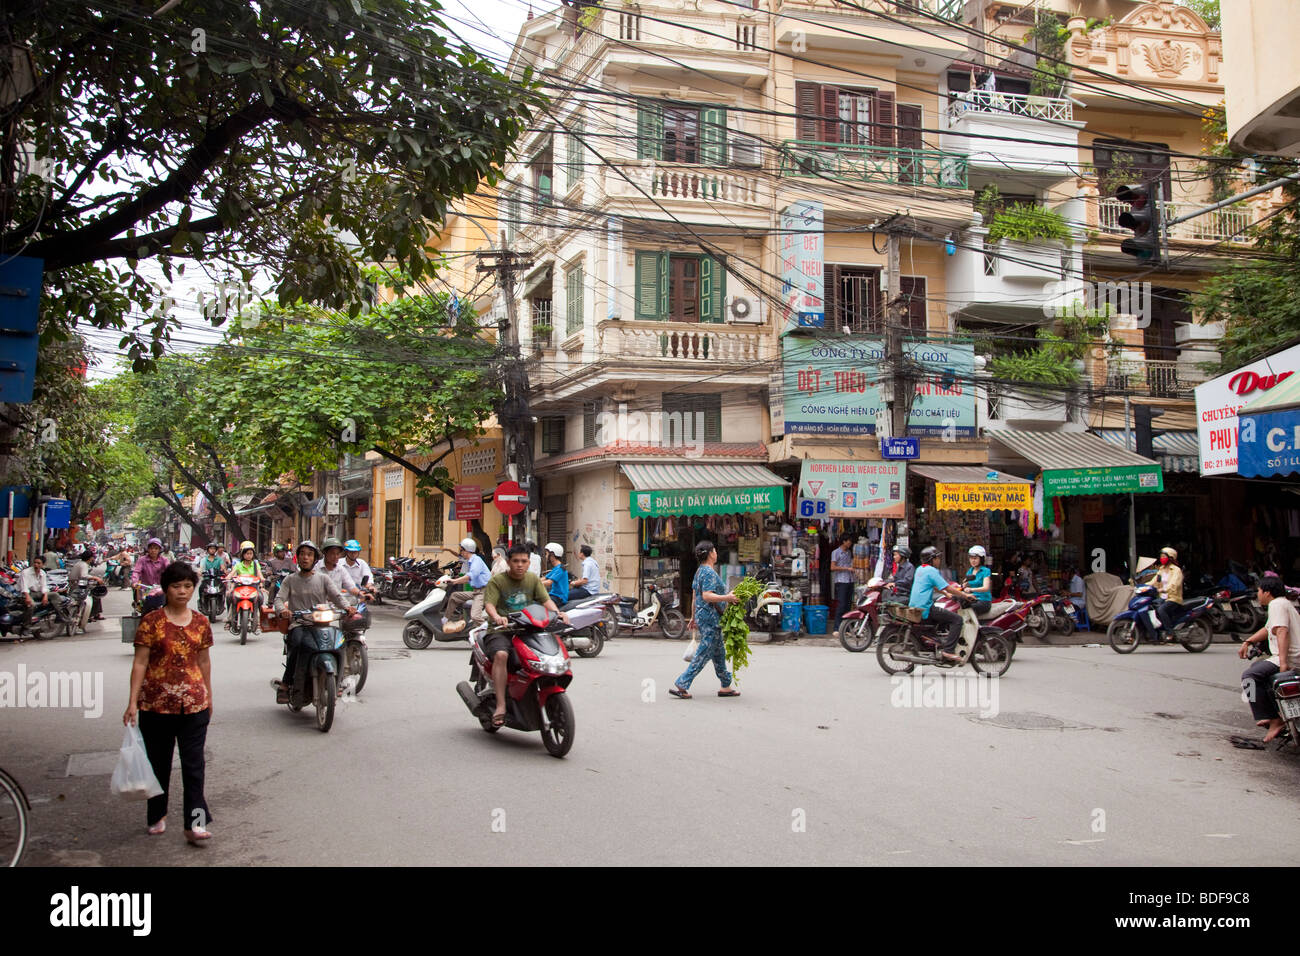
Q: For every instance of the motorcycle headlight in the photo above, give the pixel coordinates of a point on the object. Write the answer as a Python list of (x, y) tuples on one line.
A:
[(549, 664), (322, 617)]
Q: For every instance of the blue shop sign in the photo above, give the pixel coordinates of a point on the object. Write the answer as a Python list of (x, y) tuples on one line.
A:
[(1268, 444), (895, 448)]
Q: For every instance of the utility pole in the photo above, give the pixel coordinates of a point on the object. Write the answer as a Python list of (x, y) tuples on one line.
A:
[(516, 418)]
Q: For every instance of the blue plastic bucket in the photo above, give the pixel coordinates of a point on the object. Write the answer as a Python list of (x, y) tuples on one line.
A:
[(816, 615), (791, 615)]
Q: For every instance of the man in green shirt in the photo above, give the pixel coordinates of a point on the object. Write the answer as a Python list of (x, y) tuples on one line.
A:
[(510, 591)]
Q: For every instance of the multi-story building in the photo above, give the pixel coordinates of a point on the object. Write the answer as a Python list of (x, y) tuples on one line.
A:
[(964, 177)]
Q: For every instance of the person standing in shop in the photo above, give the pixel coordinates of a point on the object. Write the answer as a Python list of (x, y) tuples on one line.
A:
[(842, 579)]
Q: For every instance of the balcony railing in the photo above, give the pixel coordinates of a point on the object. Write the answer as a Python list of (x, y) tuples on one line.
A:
[(947, 9), (1017, 104), (874, 164), (682, 341), (702, 184), (1156, 378), (1221, 225)]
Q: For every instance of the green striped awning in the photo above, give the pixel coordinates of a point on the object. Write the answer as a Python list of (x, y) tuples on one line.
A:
[(670, 489)]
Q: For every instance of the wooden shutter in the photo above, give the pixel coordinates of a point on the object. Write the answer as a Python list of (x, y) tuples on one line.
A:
[(884, 119), (713, 136), (713, 290), (911, 167), (912, 291), (831, 278), (573, 168), (649, 130), (807, 97), (651, 278), (712, 407), (590, 422), (830, 114)]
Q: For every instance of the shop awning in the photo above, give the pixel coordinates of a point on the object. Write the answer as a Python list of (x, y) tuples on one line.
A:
[(1268, 432), (1077, 463), (974, 488), (666, 490), (1176, 451)]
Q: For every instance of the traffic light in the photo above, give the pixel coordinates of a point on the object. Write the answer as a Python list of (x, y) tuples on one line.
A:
[(1143, 436), (1143, 217)]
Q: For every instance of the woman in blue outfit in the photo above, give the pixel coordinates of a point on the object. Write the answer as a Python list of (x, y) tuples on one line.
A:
[(979, 581), (709, 593)]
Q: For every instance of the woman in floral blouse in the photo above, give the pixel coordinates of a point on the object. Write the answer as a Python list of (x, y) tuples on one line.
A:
[(171, 685)]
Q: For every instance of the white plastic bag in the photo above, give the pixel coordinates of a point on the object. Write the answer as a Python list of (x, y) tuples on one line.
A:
[(133, 777), (692, 646)]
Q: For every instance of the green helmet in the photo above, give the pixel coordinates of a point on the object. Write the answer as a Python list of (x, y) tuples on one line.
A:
[(331, 543)]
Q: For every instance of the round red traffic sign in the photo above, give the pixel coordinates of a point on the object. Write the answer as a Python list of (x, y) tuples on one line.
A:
[(509, 498)]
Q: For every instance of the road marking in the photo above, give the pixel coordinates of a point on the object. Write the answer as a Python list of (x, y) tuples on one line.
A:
[(1221, 836), (1082, 842)]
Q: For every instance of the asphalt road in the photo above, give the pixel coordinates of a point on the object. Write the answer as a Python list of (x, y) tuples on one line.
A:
[(1090, 759)]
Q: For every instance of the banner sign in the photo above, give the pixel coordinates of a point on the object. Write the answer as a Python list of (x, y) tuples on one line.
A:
[(830, 386), (1218, 400), (1118, 479), (58, 513), (980, 496), (856, 489), (706, 501), (469, 503), (803, 264), (1270, 444), (893, 448), (813, 508)]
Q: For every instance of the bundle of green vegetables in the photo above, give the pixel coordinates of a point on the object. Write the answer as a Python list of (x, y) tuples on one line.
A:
[(735, 632)]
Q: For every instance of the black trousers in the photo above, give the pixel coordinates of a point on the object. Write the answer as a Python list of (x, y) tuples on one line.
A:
[(188, 733), (939, 618), (578, 594), (1257, 682), (843, 601)]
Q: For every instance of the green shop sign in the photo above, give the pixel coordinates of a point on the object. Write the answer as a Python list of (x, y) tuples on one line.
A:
[(1118, 479), (706, 501)]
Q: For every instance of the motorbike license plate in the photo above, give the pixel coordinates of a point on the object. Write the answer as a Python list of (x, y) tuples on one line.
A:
[(1289, 707)]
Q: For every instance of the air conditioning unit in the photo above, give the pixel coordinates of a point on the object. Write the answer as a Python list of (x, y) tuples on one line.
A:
[(746, 309), (745, 151)]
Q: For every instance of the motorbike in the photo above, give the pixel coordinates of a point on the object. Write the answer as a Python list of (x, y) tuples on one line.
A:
[(860, 626), (1286, 692), (662, 609), (588, 624), (538, 676), (321, 659), (356, 652), (899, 649), (243, 617), (424, 620), (763, 612), (1140, 624), (273, 586), (212, 598)]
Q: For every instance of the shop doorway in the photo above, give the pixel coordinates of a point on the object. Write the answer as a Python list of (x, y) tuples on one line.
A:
[(392, 528)]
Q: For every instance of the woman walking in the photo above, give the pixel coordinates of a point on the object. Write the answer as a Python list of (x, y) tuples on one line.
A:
[(709, 593), (171, 692)]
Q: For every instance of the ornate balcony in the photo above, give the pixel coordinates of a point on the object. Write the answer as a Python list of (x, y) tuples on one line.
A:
[(874, 164), (1230, 224), (704, 185), (1032, 135), (684, 342)]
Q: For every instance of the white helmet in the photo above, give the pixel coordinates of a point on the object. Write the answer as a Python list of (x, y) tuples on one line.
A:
[(555, 549), (978, 552), (470, 545)]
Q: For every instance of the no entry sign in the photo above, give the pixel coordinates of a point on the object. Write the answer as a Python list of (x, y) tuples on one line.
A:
[(509, 498)]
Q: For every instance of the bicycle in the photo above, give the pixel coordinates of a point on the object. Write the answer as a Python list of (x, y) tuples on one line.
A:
[(13, 820)]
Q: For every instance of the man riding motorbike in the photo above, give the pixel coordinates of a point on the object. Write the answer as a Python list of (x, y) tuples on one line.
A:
[(979, 580), (35, 587), (556, 578), (279, 560), (337, 572), (358, 568), (1169, 582), (302, 592), (147, 574), (589, 584), (927, 581), (903, 573), (476, 576)]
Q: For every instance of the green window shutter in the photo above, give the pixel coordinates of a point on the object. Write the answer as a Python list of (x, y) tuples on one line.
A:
[(647, 285), (665, 304), (574, 165), (713, 289), (544, 190), (510, 211), (649, 130), (713, 136), (712, 417), (573, 311)]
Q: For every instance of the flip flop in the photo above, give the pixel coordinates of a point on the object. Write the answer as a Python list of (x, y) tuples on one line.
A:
[(678, 692), (498, 720), (729, 693)]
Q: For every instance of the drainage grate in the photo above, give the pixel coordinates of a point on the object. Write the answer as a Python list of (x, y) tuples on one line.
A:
[(1023, 721), (100, 763)]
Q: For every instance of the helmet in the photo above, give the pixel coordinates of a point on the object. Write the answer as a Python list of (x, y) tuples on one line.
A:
[(247, 546), (470, 545), (555, 549), (331, 543), (278, 547), (352, 544), (212, 546), (153, 541), (308, 543), (1173, 555), (978, 552), (904, 550), (928, 554)]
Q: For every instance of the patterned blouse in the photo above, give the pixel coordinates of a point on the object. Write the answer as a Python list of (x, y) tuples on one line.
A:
[(173, 683)]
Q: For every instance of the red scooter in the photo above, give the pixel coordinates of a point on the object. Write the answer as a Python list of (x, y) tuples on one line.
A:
[(244, 619), (538, 674), (859, 627)]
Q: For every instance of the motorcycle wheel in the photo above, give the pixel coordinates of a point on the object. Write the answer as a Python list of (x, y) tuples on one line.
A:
[(1218, 620), (597, 635), (856, 636), (401, 590), (358, 663), (559, 736), (892, 638), (992, 657), (243, 627), (1123, 636), (1199, 637), (672, 622), (1065, 623), (416, 636), (1036, 623), (326, 693)]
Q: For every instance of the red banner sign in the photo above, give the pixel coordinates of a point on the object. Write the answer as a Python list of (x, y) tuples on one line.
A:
[(469, 502), (97, 519)]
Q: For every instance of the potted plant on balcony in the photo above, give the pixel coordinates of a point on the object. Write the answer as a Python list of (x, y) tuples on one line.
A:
[(1028, 240)]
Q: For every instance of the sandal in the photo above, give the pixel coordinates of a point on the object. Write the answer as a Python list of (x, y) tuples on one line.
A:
[(498, 720), (678, 692), (729, 692), (197, 836)]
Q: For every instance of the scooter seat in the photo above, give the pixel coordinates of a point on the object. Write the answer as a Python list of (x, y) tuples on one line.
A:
[(586, 600), (1195, 604), (997, 610)]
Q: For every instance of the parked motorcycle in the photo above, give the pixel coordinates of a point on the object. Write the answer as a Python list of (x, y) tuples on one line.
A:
[(899, 649), (321, 659), (860, 626), (1140, 624), (538, 676), (424, 620), (243, 617), (588, 623), (212, 599), (662, 609), (1286, 692), (763, 612)]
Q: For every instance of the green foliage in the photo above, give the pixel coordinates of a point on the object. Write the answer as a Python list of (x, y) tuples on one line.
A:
[(242, 135), (1207, 10), (1048, 36), (1024, 222), (1052, 361), (735, 632), (148, 514), (988, 201)]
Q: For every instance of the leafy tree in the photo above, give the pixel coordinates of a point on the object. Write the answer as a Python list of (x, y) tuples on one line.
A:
[(148, 514), (299, 138)]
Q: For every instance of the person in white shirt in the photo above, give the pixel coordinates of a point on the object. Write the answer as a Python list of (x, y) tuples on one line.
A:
[(358, 568), (534, 558), (1283, 627), (337, 571), (35, 585), (589, 584)]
